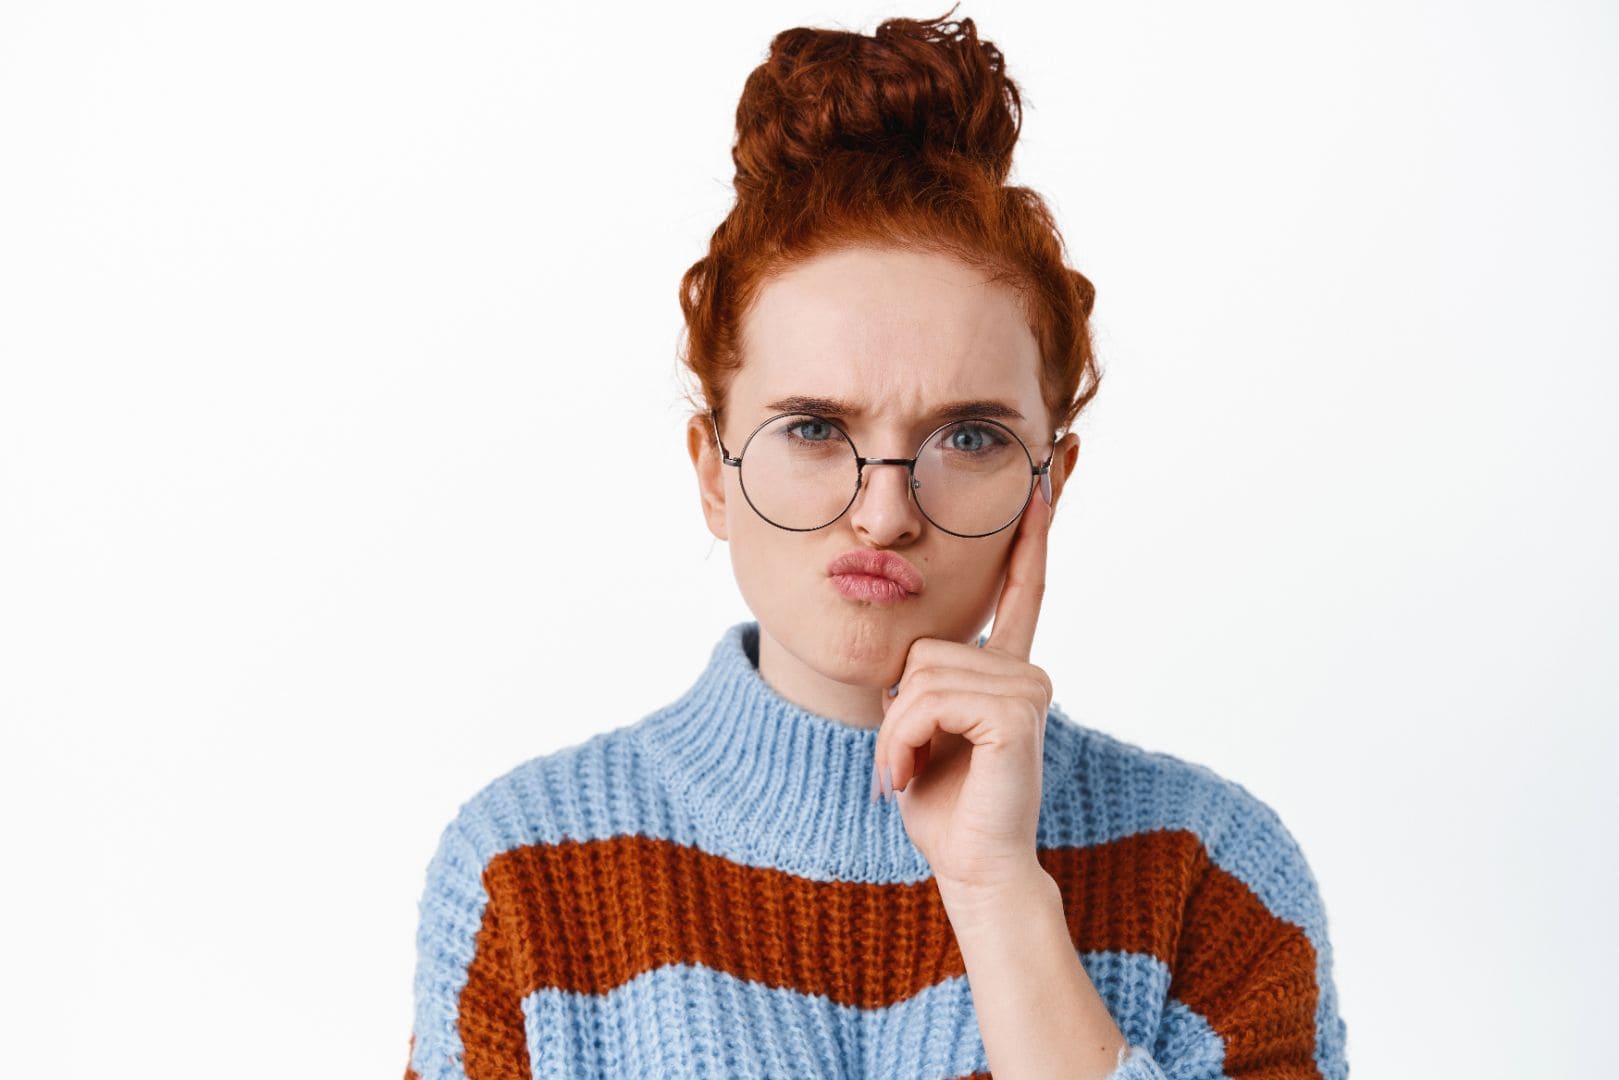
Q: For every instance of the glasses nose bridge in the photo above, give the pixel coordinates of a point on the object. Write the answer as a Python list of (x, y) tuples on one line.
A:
[(910, 473), (862, 462)]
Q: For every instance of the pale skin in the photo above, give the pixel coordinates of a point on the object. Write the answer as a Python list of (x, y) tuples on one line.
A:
[(899, 333)]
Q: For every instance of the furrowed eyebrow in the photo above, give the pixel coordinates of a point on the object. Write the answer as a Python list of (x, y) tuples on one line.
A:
[(832, 407)]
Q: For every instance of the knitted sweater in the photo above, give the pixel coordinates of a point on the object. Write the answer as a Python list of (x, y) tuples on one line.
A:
[(711, 892)]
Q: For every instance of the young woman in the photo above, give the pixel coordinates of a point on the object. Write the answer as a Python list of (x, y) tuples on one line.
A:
[(866, 841)]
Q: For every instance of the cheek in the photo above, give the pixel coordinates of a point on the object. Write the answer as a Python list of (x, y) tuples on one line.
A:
[(771, 565), (977, 583), (985, 581)]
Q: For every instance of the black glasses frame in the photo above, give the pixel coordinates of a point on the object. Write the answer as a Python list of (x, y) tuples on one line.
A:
[(1035, 471)]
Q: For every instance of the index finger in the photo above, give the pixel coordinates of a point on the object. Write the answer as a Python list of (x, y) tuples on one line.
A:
[(1018, 609)]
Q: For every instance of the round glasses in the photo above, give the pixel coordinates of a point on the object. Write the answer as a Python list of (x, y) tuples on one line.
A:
[(970, 477)]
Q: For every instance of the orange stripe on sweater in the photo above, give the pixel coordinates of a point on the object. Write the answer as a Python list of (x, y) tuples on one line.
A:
[(410, 1073), (588, 916)]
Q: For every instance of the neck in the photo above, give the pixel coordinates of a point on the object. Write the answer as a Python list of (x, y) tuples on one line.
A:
[(758, 778), (852, 704)]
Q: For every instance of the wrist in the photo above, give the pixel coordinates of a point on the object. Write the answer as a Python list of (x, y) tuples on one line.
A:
[(1011, 895)]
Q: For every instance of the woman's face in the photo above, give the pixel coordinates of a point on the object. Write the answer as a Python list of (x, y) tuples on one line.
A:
[(898, 334)]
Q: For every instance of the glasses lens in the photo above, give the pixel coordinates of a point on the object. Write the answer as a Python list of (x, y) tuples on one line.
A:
[(799, 472), (973, 477)]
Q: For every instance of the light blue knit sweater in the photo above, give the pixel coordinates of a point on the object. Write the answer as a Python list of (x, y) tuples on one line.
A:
[(710, 892)]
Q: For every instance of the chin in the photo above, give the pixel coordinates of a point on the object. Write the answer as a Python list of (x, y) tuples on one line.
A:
[(865, 638), (854, 643), (867, 644)]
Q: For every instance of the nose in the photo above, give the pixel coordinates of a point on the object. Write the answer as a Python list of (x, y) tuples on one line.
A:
[(884, 511)]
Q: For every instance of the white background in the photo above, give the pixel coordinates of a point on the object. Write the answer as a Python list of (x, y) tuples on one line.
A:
[(342, 469)]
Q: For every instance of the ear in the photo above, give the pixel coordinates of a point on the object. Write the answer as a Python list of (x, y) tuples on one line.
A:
[(705, 458), (1063, 457)]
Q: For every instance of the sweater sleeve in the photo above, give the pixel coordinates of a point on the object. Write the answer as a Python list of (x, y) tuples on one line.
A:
[(468, 1020), (1251, 989)]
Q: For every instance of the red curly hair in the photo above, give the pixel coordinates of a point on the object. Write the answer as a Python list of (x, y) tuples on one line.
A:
[(901, 138)]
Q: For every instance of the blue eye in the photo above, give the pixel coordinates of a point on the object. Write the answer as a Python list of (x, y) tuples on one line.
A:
[(829, 431), (986, 439)]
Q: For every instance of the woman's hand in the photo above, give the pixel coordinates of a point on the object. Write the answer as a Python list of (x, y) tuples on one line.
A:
[(964, 738)]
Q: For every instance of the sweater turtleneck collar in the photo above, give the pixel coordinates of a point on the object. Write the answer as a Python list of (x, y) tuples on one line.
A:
[(771, 783)]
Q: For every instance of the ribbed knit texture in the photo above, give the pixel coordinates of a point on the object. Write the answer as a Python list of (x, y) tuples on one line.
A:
[(710, 892)]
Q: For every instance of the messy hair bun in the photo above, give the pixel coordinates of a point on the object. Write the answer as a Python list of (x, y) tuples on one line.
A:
[(913, 92), (900, 138)]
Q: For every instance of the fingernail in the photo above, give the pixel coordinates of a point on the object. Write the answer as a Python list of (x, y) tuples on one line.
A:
[(888, 783), (1045, 487), (874, 781), (893, 691)]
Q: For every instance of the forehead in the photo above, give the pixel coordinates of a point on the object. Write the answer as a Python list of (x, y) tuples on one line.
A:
[(901, 331)]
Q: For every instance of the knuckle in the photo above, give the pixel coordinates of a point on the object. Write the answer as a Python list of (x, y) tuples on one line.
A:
[(918, 679)]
